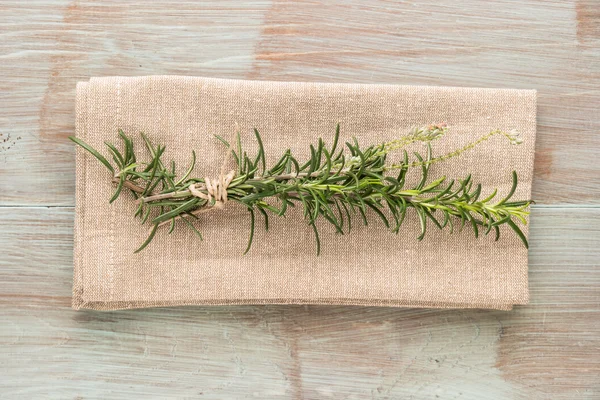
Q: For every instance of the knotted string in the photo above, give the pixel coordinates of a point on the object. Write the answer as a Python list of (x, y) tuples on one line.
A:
[(215, 188)]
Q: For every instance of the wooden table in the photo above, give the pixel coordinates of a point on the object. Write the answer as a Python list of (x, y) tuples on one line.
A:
[(549, 349)]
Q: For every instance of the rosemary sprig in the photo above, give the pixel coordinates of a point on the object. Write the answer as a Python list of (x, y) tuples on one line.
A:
[(337, 183)]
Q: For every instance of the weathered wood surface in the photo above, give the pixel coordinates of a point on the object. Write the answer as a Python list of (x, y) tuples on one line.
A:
[(549, 349), (47, 46)]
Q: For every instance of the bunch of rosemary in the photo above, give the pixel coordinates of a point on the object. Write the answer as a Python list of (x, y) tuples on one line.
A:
[(336, 183)]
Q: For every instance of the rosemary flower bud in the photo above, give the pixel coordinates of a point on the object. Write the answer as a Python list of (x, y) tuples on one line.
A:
[(514, 136)]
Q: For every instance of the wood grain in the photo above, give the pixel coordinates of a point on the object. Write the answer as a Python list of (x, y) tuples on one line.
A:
[(551, 46), (46, 47), (548, 349)]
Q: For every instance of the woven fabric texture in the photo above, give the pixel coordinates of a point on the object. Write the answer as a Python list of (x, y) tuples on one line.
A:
[(369, 266)]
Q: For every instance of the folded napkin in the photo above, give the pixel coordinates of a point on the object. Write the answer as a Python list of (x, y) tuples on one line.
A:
[(370, 266)]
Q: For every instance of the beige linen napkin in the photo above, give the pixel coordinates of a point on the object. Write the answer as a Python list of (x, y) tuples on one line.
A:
[(370, 266)]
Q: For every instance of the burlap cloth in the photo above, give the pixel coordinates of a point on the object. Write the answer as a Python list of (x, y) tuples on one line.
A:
[(370, 266)]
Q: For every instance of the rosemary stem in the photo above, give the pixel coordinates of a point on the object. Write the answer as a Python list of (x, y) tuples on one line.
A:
[(187, 193), (196, 212), (163, 196), (329, 183), (129, 185)]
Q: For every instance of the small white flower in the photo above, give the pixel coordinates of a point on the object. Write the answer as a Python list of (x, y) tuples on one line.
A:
[(515, 137)]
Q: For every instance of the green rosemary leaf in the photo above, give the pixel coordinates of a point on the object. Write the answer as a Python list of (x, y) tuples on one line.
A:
[(353, 176), (501, 221), (188, 205), (489, 225), (475, 195), (422, 221), (519, 204), (362, 159), (148, 240), (128, 169), (403, 169), (168, 180), (462, 188), (251, 230), (336, 137), (424, 168), (333, 221), (468, 189), (316, 208), (520, 218), (317, 239), (146, 214), (155, 165), (361, 210), (192, 227), (305, 205), (288, 164), (473, 224), (402, 206), (348, 218), (247, 166), (451, 225), (261, 151), (325, 173), (433, 185), (166, 203), (117, 157), (269, 207), (129, 153), (440, 194), (194, 216), (393, 181), (93, 152), (284, 204), (139, 210), (490, 197), (374, 175), (446, 218), (379, 213), (146, 142), (189, 170), (391, 205), (463, 218), (172, 227), (432, 218), (280, 165), (518, 231), (351, 148), (296, 165), (341, 215), (241, 166), (313, 160), (327, 210), (233, 152), (320, 147), (512, 189), (266, 217), (118, 191)]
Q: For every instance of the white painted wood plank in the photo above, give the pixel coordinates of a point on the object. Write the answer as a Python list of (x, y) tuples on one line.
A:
[(548, 349), (47, 46)]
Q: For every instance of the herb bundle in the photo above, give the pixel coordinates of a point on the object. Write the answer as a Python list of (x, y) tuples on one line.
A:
[(337, 183)]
